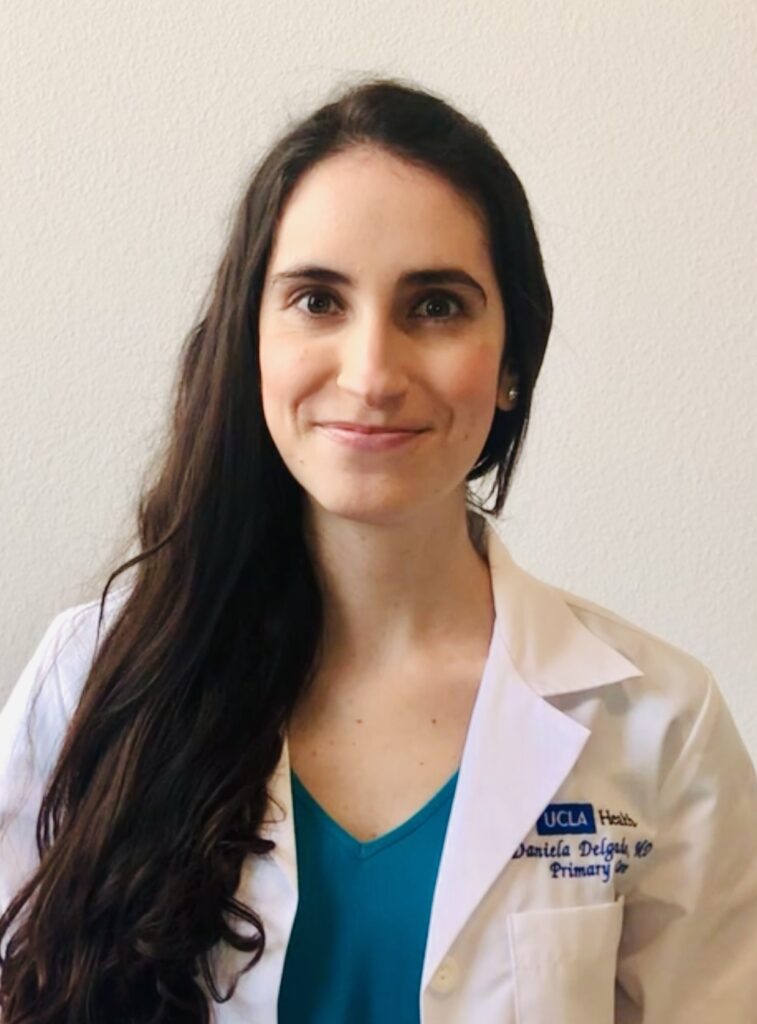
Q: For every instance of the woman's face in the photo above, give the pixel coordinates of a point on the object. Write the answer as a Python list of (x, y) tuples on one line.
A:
[(364, 342)]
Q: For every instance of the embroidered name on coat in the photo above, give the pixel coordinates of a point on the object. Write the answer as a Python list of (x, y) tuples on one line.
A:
[(566, 819)]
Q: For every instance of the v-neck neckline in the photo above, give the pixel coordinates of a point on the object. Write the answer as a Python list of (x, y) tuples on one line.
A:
[(368, 848), (307, 801)]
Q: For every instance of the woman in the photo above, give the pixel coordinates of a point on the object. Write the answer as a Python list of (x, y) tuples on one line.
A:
[(510, 805)]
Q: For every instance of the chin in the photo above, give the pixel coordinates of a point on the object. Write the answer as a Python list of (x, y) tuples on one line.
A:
[(379, 512)]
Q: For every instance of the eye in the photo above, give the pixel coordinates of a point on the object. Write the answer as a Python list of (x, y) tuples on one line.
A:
[(319, 293), (324, 297), (442, 298)]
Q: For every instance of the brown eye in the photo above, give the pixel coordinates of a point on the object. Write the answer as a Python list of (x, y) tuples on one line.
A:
[(314, 308), (436, 299)]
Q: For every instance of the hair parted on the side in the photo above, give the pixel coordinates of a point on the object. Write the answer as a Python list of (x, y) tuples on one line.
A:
[(161, 783)]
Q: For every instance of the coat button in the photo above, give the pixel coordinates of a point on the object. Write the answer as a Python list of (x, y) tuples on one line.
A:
[(446, 977)]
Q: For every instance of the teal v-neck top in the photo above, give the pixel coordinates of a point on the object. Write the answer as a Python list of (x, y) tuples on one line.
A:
[(359, 936)]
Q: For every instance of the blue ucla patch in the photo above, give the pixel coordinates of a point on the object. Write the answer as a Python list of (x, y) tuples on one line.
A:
[(566, 819)]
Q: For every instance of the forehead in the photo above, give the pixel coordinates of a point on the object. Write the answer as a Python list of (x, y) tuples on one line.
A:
[(373, 208)]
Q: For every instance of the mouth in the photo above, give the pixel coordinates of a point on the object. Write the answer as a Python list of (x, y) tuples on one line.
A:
[(365, 428), (369, 439)]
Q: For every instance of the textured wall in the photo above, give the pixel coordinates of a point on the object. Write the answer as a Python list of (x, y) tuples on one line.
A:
[(127, 131)]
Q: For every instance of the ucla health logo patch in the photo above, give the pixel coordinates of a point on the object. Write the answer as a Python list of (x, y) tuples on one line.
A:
[(566, 820)]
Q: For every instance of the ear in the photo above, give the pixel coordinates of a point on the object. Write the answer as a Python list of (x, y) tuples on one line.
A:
[(504, 401)]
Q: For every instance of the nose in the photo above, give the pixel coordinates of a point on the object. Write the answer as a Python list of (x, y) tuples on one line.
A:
[(372, 361)]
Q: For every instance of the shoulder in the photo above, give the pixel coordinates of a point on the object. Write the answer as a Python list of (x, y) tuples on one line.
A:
[(674, 707), (46, 693), (571, 649), (662, 664)]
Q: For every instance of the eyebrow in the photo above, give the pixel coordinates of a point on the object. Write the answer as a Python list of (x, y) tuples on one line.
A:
[(426, 276)]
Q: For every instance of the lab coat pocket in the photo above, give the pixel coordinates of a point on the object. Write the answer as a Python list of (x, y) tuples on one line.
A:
[(565, 963)]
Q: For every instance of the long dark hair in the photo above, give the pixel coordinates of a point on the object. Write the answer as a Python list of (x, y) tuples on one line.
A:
[(160, 786)]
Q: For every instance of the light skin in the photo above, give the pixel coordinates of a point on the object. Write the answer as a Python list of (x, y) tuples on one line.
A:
[(387, 529)]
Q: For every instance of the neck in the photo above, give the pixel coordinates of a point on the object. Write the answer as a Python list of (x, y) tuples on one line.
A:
[(397, 593)]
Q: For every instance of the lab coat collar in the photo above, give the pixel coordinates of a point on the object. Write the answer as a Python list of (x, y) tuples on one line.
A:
[(519, 747), (549, 645)]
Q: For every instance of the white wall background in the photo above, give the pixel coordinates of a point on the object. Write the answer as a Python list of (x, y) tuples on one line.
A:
[(127, 133)]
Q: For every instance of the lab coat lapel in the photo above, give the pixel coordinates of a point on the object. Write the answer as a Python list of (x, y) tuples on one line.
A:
[(519, 748), (518, 751)]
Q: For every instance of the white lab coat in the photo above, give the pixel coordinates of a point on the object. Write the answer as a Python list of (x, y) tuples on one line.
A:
[(581, 721)]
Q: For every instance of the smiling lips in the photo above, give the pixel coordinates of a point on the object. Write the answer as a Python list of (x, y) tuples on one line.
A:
[(367, 428), (366, 438)]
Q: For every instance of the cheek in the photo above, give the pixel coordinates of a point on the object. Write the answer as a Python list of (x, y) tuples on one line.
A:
[(284, 375), (272, 369), (472, 384)]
